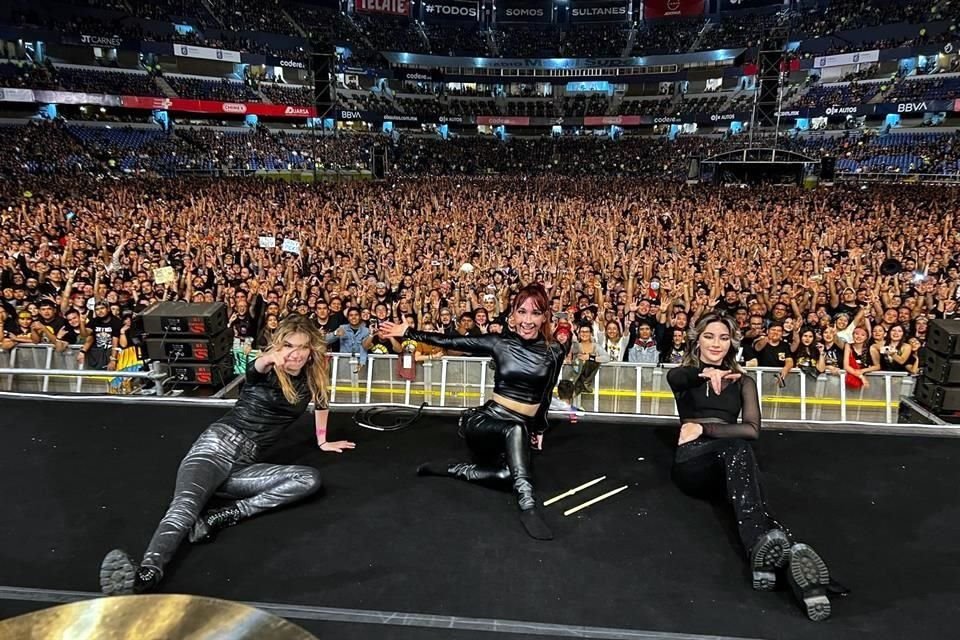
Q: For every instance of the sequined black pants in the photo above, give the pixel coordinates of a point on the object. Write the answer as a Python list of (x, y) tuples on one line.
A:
[(222, 461), (725, 468)]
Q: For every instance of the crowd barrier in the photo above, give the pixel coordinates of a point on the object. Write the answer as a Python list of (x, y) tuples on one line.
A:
[(39, 368), (618, 388)]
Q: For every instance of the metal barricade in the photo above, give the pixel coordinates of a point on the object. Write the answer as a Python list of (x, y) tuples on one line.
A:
[(458, 382), (40, 368), (619, 388)]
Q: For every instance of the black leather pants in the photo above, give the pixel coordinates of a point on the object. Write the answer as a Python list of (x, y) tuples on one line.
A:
[(708, 468), (499, 441)]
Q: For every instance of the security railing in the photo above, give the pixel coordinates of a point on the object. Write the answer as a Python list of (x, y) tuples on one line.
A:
[(619, 388), (39, 368)]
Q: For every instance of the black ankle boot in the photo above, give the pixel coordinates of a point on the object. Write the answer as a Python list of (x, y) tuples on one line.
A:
[(769, 553), (121, 575), (809, 579), (210, 523)]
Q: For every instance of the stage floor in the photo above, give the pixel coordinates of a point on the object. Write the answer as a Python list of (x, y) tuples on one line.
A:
[(81, 478)]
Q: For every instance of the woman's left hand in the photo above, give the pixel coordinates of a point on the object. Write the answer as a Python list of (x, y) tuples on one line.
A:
[(536, 441), (338, 446), (689, 432)]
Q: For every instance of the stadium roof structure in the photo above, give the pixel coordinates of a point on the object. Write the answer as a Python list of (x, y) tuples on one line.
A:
[(765, 155)]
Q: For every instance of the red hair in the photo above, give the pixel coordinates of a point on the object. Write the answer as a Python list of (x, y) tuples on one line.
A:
[(541, 301)]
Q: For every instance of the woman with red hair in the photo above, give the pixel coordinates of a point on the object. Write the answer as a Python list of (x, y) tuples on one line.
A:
[(500, 432)]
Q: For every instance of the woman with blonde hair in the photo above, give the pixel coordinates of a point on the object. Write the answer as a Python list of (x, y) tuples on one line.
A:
[(225, 459), (719, 413)]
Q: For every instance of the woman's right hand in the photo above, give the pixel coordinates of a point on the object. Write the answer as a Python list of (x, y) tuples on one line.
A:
[(716, 377), (392, 330)]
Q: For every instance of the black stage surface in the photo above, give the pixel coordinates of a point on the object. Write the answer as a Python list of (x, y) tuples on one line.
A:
[(79, 479)]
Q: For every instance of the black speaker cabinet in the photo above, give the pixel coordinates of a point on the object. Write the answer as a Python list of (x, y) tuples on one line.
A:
[(936, 397), (938, 368), (943, 336), (185, 318), (213, 374), (190, 349)]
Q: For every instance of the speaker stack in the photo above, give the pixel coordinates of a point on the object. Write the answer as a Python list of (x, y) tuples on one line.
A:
[(938, 389), (190, 341)]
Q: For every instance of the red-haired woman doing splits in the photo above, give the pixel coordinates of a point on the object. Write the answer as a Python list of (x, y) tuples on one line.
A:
[(500, 432)]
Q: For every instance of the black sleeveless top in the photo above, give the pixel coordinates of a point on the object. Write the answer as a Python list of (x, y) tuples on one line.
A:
[(262, 412)]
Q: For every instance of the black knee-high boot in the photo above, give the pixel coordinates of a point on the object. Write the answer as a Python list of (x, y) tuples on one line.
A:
[(518, 459), (465, 471)]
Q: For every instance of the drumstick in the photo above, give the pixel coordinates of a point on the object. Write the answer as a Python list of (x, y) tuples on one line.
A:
[(594, 501), (574, 490)]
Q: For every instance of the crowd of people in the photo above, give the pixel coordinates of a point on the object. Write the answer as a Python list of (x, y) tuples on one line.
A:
[(628, 263)]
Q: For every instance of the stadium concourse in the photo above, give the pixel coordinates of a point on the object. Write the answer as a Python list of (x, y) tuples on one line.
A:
[(346, 168)]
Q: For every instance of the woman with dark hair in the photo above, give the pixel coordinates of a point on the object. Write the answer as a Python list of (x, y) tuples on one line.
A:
[(714, 456), (807, 354), (226, 457), (500, 433)]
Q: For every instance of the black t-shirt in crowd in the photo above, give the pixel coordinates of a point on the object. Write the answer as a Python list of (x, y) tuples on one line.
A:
[(10, 328), (850, 310), (243, 327), (52, 327), (773, 356), (833, 356), (104, 331)]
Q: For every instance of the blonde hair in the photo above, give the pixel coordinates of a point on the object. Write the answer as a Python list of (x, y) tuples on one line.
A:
[(692, 357), (316, 367)]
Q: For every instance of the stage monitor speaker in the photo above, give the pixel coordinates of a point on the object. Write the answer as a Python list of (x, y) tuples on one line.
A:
[(943, 336), (167, 350), (214, 374), (937, 398), (185, 318), (828, 167), (940, 369)]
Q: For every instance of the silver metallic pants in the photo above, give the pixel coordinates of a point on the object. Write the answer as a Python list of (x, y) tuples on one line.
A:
[(222, 462)]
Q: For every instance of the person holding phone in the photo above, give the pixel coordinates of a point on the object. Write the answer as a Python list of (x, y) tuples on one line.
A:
[(226, 458), (501, 432)]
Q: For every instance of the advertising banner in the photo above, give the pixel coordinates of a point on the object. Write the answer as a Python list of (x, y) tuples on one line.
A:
[(418, 75), (599, 10), (841, 59), (87, 40), (530, 11), (450, 10), (274, 61), (383, 7), (74, 97), (915, 107), (17, 95), (653, 9), (216, 107), (605, 121), (205, 53), (495, 121)]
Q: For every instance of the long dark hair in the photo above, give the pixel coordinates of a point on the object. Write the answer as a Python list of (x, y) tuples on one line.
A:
[(536, 292), (692, 356)]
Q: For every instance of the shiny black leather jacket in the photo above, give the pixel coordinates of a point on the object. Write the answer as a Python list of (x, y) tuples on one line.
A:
[(527, 370)]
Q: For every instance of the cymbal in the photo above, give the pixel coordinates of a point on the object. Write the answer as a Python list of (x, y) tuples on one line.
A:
[(151, 617)]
